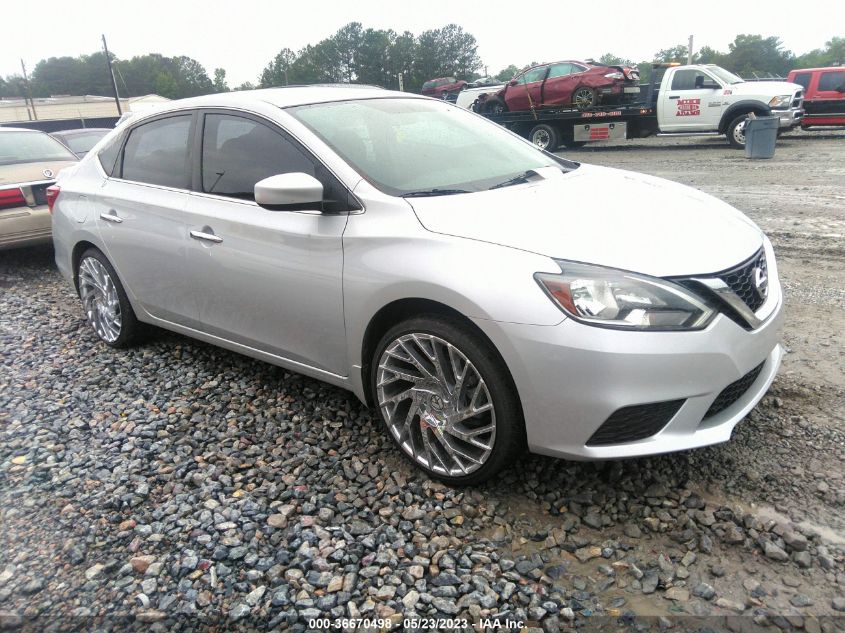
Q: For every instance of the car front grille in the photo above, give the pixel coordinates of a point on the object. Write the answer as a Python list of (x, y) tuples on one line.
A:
[(742, 280), (636, 422), (733, 392)]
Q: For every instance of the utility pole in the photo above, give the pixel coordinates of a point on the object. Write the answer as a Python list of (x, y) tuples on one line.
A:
[(28, 92), (689, 52), (401, 83), (111, 74)]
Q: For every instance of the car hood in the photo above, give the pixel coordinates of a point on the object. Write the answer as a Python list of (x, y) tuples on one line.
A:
[(602, 216), (770, 88), (31, 172)]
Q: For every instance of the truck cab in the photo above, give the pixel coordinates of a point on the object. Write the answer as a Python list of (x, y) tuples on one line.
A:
[(705, 98), (824, 95)]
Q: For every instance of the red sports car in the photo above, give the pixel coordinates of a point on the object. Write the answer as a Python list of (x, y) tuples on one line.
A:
[(579, 84)]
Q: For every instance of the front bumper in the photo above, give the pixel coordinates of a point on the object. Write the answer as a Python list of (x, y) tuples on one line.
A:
[(789, 118), (572, 377)]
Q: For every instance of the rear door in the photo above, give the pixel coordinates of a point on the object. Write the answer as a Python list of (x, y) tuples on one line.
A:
[(527, 92), (694, 102), (270, 280), (140, 213)]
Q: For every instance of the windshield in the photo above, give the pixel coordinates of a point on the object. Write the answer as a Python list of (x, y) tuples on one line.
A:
[(725, 75), (31, 147), (407, 146), (82, 143)]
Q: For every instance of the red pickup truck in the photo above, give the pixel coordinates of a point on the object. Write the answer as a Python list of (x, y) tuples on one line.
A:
[(824, 95)]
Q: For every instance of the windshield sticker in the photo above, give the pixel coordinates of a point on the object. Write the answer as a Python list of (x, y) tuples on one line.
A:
[(727, 92), (689, 107)]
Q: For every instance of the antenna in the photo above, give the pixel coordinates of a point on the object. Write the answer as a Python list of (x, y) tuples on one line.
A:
[(111, 74)]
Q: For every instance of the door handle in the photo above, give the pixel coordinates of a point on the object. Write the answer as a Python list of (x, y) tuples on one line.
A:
[(111, 217), (674, 96), (208, 237)]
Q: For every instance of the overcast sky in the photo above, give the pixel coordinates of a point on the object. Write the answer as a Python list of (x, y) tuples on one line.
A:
[(242, 36)]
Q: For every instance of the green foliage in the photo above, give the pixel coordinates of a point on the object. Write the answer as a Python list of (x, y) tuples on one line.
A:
[(754, 55), (219, 82), (833, 54), (614, 60), (377, 56), (506, 74)]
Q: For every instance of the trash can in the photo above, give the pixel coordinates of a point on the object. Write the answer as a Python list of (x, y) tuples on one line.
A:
[(760, 136)]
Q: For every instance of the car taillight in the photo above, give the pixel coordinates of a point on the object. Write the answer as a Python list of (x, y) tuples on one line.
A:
[(52, 194), (11, 198)]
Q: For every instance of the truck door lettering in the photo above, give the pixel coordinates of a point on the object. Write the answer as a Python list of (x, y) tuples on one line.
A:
[(688, 107)]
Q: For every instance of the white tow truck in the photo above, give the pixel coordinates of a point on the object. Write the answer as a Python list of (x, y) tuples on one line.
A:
[(692, 100)]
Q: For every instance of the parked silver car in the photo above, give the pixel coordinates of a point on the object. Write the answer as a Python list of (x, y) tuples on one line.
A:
[(482, 295)]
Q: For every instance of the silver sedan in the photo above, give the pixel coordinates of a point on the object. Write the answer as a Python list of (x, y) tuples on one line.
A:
[(483, 296)]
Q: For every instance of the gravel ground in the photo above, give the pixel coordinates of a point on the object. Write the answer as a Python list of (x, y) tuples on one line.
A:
[(179, 486)]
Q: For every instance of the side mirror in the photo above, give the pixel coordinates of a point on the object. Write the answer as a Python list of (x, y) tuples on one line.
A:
[(841, 88), (513, 82), (289, 192)]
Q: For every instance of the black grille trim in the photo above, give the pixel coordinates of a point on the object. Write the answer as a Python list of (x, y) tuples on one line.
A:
[(636, 422), (733, 392), (741, 280)]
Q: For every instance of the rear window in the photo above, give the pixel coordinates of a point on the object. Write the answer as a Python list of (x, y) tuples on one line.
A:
[(31, 147), (83, 142), (832, 81)]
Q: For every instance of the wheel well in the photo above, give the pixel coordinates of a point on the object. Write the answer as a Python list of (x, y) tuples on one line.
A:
[(730, 115), (76, 255), (398, 311)]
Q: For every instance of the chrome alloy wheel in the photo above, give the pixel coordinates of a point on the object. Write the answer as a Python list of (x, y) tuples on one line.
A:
[(739, 132), (99, 299), (541, 139), (584, 98), (436, 404)]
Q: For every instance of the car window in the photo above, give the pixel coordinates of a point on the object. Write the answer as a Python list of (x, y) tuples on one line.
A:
[(832, 81), (561, 70), (536, 74), (31, 147), (238, 152), (157, 152), (578, 68), (685, 79), (83, 142), (803, 80), (108, 155)]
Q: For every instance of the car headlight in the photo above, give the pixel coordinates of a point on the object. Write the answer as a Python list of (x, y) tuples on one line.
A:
[(619, 299), (781, 101)]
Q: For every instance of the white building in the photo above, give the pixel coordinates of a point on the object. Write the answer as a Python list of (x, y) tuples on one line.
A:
[(66, 107)]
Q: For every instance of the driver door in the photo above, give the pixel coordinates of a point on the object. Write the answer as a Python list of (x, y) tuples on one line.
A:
[(527, 92), (269, 280), (694, 102)]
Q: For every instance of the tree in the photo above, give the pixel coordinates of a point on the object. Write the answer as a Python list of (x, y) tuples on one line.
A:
[(506, 74), (275, 73), (832, 55), (674, 54), (247, 85), (614, 60), (220, 80), (707, 55), (751, 55)]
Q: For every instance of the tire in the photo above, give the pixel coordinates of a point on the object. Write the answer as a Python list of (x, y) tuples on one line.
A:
[(418, 419), (494, 105), (104, 300), (444, 95), (736, 131), (584, 97), (545, 137)]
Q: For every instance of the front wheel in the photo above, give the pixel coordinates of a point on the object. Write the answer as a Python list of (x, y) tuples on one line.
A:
[(104, 300), (494, 105), (736, 131), (447, 399)]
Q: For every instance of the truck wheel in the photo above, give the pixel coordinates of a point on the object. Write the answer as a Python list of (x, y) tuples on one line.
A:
[(584, 98), (494, 105), (545, 137), (736, 131)]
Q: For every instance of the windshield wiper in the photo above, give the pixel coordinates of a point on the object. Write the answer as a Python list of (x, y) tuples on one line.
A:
[(425, 193), (519, 178)]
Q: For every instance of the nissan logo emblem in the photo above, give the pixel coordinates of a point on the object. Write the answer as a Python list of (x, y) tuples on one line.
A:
[(48, 173), (761, 282)]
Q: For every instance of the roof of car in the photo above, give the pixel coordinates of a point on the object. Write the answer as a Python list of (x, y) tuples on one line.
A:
[(815, 70), (289, 96), (18, 129)]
